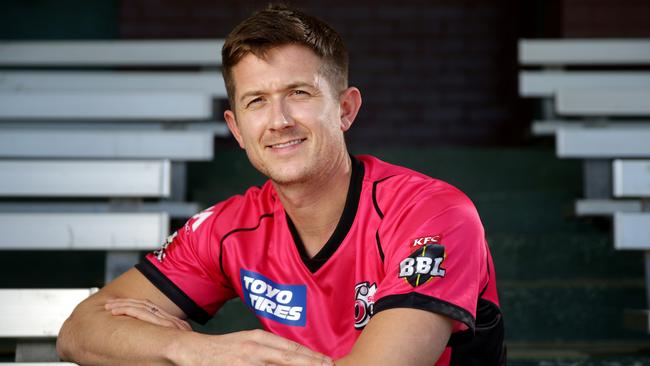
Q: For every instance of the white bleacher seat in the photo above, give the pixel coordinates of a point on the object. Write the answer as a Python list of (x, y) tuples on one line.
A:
[(603, 141), (547, 127), (106, 105), (83, 231), (207, 82), (584, 51), (551, 126), (605, 207), (215, 128), (84, 178), (605, 101), (37, 313), (632, 230), (631, 178), (111, 52), (175, 209), (51, 143), (77, 120), (540, 84), (34, 318), (603, 85)]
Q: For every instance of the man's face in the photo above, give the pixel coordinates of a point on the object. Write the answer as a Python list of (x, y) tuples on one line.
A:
[(286, 114)]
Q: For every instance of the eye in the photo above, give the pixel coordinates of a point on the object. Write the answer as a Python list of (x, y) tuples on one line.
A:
[(253, 102), (299, 92)]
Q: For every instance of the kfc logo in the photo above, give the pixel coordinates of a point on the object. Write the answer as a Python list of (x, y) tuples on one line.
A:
[(426, 240)]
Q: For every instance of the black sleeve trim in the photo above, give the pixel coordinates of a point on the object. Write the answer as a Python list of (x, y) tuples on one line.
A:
[(169, 288), (416, 300)]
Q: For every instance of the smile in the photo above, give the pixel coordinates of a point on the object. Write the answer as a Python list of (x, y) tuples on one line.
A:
[(286, 144)]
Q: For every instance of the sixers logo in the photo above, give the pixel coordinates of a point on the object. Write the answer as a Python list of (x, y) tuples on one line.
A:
[(160, 253), (423, 265), (364, 295)]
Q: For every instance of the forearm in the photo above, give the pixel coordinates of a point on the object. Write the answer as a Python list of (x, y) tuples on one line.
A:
[(92, 335), (400, 336)]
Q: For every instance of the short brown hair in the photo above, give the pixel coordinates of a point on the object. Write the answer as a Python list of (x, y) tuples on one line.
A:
[(279, 25)]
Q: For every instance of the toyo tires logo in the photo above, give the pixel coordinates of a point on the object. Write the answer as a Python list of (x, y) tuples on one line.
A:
[(286, 304)]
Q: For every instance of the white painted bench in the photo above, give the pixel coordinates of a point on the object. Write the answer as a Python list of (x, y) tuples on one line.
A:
[(585, 93), (111, 105), (603, 101), (606, 207), (632, 230), (34, 317), (50, 142), (84, 178), (109, 121), (594, 96), (605, 141), (560, 52), (205, 53), (83, 231), (541, 84), (206, 82), (631, 178)]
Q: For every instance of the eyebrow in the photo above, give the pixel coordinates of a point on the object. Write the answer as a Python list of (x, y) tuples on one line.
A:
[(297, 84)]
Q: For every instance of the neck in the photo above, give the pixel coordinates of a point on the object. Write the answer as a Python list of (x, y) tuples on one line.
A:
[(316, 206)]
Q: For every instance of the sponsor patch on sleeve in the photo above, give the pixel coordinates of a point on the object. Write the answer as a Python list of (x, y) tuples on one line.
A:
[(160, 253), (286, 304), (423, 265), (432, 239)]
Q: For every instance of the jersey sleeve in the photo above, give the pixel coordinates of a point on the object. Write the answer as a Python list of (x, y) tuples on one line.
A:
[(435, 260), (186, 268)]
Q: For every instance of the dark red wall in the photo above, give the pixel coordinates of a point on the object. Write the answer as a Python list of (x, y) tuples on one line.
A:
[(438, 72), (606, 18), (431, 72)]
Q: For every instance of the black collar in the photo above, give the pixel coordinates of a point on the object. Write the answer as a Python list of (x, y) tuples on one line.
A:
[(342, 228)]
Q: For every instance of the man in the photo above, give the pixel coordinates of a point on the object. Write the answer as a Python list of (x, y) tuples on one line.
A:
[(345, 260)]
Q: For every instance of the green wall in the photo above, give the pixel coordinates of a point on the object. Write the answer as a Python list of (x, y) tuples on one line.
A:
[(58, 19)]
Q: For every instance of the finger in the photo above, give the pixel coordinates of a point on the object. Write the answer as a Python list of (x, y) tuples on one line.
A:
[(140, 304), (124, 302), (135, 307), (180, 324), (144, 311), (144, 316)]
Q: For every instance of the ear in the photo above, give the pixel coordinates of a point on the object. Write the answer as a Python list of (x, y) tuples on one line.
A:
[(231, 121), (350, 102)]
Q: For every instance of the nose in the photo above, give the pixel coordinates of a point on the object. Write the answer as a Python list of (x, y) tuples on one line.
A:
[(280, 116)]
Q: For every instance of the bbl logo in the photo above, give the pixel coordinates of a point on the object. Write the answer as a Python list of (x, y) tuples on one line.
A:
[(286, 304), (364, 295), (423, 265)]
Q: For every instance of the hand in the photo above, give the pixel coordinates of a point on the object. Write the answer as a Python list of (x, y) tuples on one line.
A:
[(246, 348), (255, 347), (146, 311)]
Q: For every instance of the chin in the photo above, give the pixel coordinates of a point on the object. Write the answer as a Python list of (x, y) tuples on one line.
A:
[(289, 176)]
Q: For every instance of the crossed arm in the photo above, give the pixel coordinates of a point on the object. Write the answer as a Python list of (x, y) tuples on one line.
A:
[(113, 327)]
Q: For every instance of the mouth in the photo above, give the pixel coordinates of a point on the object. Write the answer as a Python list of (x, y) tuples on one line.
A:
[(283, 145)]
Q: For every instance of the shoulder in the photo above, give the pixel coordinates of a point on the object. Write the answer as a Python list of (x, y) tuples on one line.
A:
[(239, 211), (397, 190)]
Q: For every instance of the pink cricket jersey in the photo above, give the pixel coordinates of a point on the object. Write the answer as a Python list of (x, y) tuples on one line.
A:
[(404, 240)]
